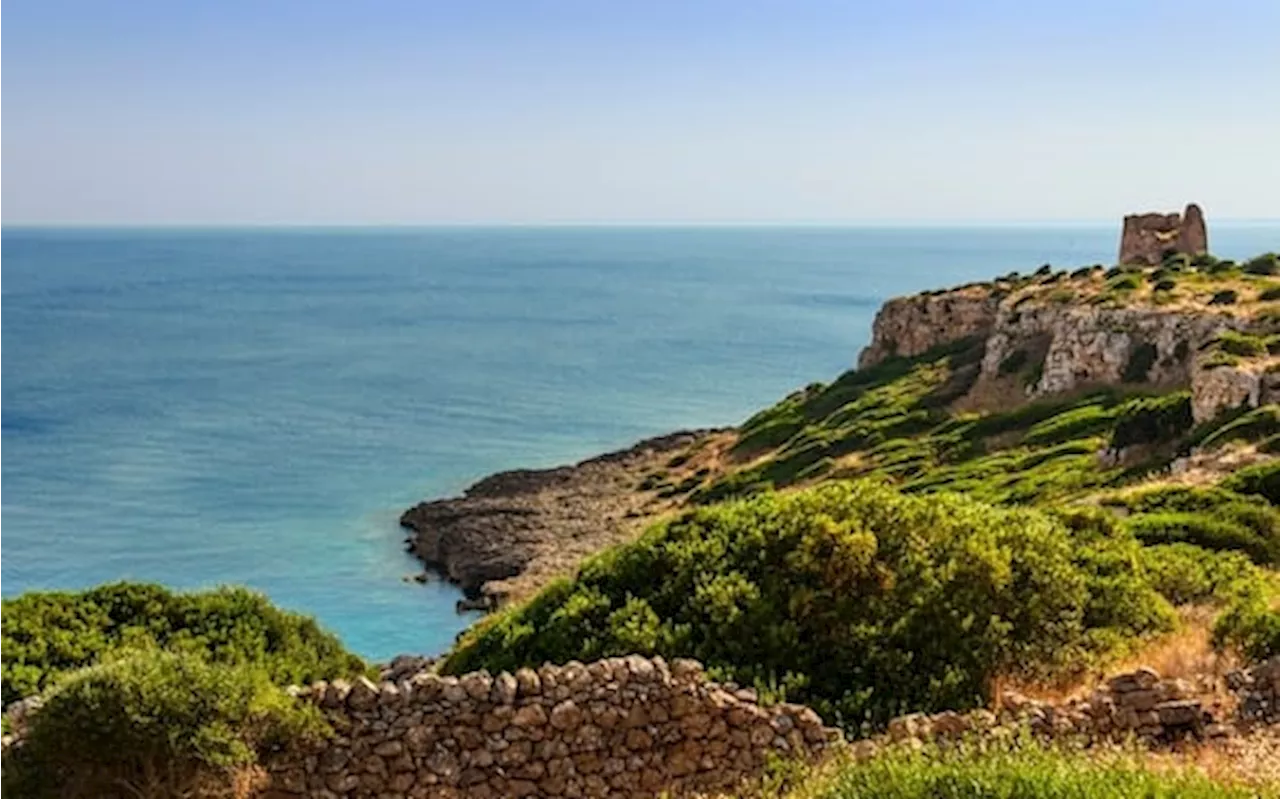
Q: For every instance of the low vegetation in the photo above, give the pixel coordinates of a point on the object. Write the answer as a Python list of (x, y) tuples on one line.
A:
[(851, 596), (1022, 770), (49, 634), (154, 724)]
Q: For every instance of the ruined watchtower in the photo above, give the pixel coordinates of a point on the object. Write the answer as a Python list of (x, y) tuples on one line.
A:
[(1147, 238)]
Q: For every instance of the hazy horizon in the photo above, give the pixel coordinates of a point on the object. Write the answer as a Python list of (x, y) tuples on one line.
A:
[(667, 114)]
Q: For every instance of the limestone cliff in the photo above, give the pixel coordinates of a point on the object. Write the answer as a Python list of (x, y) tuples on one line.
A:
[(1053, 333), (909, 326)]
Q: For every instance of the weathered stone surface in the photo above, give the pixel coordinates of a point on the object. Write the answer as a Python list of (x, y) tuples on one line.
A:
[(1147, 238), (1215, 389), (511, 532), (908, 326), (630, 726)]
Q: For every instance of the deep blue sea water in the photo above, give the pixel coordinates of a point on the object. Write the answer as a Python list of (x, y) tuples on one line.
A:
[(258, 406)]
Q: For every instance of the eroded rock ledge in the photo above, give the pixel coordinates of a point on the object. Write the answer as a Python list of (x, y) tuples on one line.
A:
[(512, 531)]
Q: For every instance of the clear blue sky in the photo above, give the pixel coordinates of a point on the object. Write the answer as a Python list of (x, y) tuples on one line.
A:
[(163, 111)]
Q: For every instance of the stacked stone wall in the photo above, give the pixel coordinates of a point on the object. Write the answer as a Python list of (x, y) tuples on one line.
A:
[(631, 726)]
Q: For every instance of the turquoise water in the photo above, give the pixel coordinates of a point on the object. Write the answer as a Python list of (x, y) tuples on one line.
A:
[(258, 406)]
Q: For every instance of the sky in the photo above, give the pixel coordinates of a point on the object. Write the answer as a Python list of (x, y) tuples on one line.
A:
[(155, 112)]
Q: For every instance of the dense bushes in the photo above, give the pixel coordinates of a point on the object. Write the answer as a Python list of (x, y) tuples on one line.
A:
[(860, 600), (1153, 419), (1022, 770), (1250, 626), (1185, 573), (1253, 425), (1216, 532), (1263, 480), (1212, 518), (153, 724), (46, 634)]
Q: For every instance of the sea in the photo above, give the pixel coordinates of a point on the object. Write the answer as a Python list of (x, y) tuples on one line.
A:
[(257, 406)]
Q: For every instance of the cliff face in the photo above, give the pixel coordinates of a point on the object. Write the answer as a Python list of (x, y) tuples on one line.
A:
[(1090, 346), (1050, 348), (909, 326)]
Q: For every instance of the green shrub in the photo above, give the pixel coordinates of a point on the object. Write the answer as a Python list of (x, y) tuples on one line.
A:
[(46, 634), (1262, 479), (154, 724), (850, 596), (1179, 499), (1219, 359), (1254, 425), (1168, 284), (1241, 344), (1224, 297), (1265, 264), (1269, 294), (1152, 420), (1124, 283), (1251, 627), (1185, 573), (1224, 530), (1089, 420), (1141, 359), (1020, 769)]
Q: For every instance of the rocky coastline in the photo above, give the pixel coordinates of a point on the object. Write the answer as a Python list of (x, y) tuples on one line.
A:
[(513, 531)]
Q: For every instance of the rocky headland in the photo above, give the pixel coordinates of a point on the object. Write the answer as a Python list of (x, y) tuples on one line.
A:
[(1169, 318), (511, 532)]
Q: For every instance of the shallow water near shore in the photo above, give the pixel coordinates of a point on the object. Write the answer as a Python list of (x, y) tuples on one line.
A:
[(258, 406)]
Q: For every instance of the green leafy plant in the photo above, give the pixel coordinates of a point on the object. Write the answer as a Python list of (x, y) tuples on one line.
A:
[(154, 724), (46, 634), (1019, 769), (1153, 419), (867, 602)]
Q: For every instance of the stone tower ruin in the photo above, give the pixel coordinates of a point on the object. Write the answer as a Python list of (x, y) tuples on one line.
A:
[(1148, 238)]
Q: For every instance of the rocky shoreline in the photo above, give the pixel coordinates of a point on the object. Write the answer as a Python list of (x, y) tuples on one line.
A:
[(513, 531)]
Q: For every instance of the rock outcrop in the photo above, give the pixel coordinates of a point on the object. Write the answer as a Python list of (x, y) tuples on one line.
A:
[(1148, 238), (628, 727), (512, 531), (909, 326), (1084, 346)]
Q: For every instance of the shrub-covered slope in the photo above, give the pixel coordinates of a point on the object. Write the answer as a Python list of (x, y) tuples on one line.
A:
[(850, 596), (48, 634)]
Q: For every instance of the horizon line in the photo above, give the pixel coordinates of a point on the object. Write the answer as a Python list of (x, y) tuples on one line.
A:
[(886, 223)]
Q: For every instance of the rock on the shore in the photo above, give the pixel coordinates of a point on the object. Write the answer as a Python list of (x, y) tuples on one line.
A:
[(512, 531)]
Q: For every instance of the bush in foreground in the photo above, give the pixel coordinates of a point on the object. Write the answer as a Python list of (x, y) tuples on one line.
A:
[(153, 724), (47, 634), (1021, 772), (852, 597)]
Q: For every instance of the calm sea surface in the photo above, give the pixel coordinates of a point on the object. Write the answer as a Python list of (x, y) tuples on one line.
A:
[(257, 406)]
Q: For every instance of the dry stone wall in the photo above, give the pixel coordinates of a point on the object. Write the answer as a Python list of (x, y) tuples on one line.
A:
[(631, 726), (1138, 704)]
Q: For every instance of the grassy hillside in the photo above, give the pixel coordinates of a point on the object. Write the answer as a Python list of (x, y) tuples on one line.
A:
[(826, 554), (863, 601)]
